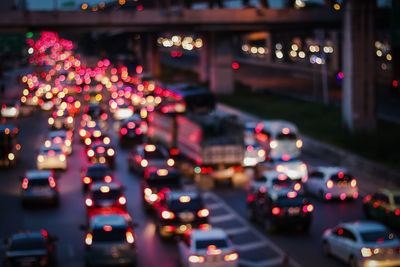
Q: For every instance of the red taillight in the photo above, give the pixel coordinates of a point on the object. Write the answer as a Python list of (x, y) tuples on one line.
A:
[(129, 237), (25, 183), (250, 148), (329, 184), (88, 239), (276, 210), (110, 152), (397, 213), (108, 179), (89, 202), (231, 257), (299, 143), (167, 215), (87, 180), (124, 131), (90, 153), (52, 182), (203, 213), (367, 198), (122, 200), (174, 151), (308, 208)]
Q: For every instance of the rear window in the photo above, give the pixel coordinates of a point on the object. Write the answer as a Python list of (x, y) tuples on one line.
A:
[(377, 236), (219, 243), (98, 172), (156, 154), (29, 243), (341, 177), (170, 181), (47, 150), (116, 234), (290, 202), (193, 205), (283, 137), (38, 182), (113, 194)]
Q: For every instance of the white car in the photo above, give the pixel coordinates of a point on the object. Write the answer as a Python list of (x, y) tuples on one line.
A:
[(10, 110), (51, 157), (362, 244), (293, 167), (207, 248), (253, 154), (123, 112), (332, 183), (62, 138), (273, 180)]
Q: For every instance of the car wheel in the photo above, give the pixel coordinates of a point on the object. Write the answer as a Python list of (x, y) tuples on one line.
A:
[(353, 262), (326, 248)]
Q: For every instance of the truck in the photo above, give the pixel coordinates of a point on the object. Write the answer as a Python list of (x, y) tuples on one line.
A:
[(205, 145)]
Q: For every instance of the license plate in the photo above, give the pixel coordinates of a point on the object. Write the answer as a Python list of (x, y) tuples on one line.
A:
[(213, 259), (294, 211), (40, 189), (186, 216)]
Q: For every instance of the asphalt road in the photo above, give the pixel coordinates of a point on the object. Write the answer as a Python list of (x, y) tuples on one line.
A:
[(227, 206)]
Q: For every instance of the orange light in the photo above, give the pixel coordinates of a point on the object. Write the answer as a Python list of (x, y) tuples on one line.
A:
[(196, 259), (203, 213), (162, 172), (167, 215), (129, 237), (231, 257), (150, 148), (108, 179), (88, 239), (276, 210), (184, 199)]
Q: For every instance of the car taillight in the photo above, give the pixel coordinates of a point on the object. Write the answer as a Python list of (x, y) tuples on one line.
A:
[(366, 252), (67, 142), (124, 131), (147, 191), (89, 202), (88, 239), (25, 183), (297, 187), (397, 213), (106, 140), (138, 131), (167, 215), (52, 182), (88, 141), (367, 198), (144, 163), (82, 132), (50, 121), (61, 157), (231, 257), (329, 184), (276, 210), (40, 158), (308, 208), (353, 183), (280, 168), (170, 162), (90, 153), (87, 180), (122, 200), (203, 213), (110, 152), (299, 143), (129, 237), (196, 259), (108, 179)]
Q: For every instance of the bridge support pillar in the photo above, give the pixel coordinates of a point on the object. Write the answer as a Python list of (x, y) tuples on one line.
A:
[(151, 54), (221, 58), (358, 100)]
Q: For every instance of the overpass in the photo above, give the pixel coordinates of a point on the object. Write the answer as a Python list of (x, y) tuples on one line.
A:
[(156, 20)]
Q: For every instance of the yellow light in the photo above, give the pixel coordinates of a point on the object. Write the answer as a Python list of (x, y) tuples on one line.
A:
[(25, 92), (150, 148), (336, 6), (11, 156), (104, 189), (184, 199), (84, 6), (389, 57), (121, 2)]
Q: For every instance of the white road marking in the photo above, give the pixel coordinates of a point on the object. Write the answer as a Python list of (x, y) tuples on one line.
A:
[(272, 262), (237, 231), (222, 218), (251, 246), (214, 206)]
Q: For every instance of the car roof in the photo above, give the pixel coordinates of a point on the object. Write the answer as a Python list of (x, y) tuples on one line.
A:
[(364, 226), (175, 195), (213, 233), (27, 235), (115, 220), (331, 170), (58, 133), (38, 174), (276, 126)]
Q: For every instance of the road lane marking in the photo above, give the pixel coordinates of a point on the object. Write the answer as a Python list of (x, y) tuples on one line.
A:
[(222, 218), (214, 206), (237, 231), (272, 262), (245, 223), (251, 246)]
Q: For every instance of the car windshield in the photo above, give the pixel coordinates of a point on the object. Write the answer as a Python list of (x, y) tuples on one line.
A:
[(341, 177), (111, 195), (290, 136), (38, 183), (204, 244), (114, 235), (177, 206), (98, 172), (282, 183), (377, 236), (156, 154), (29, 243)]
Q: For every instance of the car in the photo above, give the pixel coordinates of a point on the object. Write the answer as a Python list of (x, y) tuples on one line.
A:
[(96, 111), (211, 247), (383, 206), (123, 111), (102, 153), (253, 154), (293, 167), (273, 180), (10, 109), (181, 211), (46, 104), (110, 240), (105, 196), (149, 155), (156, 182), (62, 138), (51, 157), (280, 208), (39, 187), (95, 172), (331, 183), (132, 130), (30, 249), (362, 243), (87, 129), (63, 122), (97, 135)]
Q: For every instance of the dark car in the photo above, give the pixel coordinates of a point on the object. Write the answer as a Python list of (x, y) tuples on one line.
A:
[(180, 212), (102, 153), (132, 130), (156, 182), (145, 156), (106, 196), (95, 111), (39, 187), (280, 208), (96, 172), (30, 249)]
